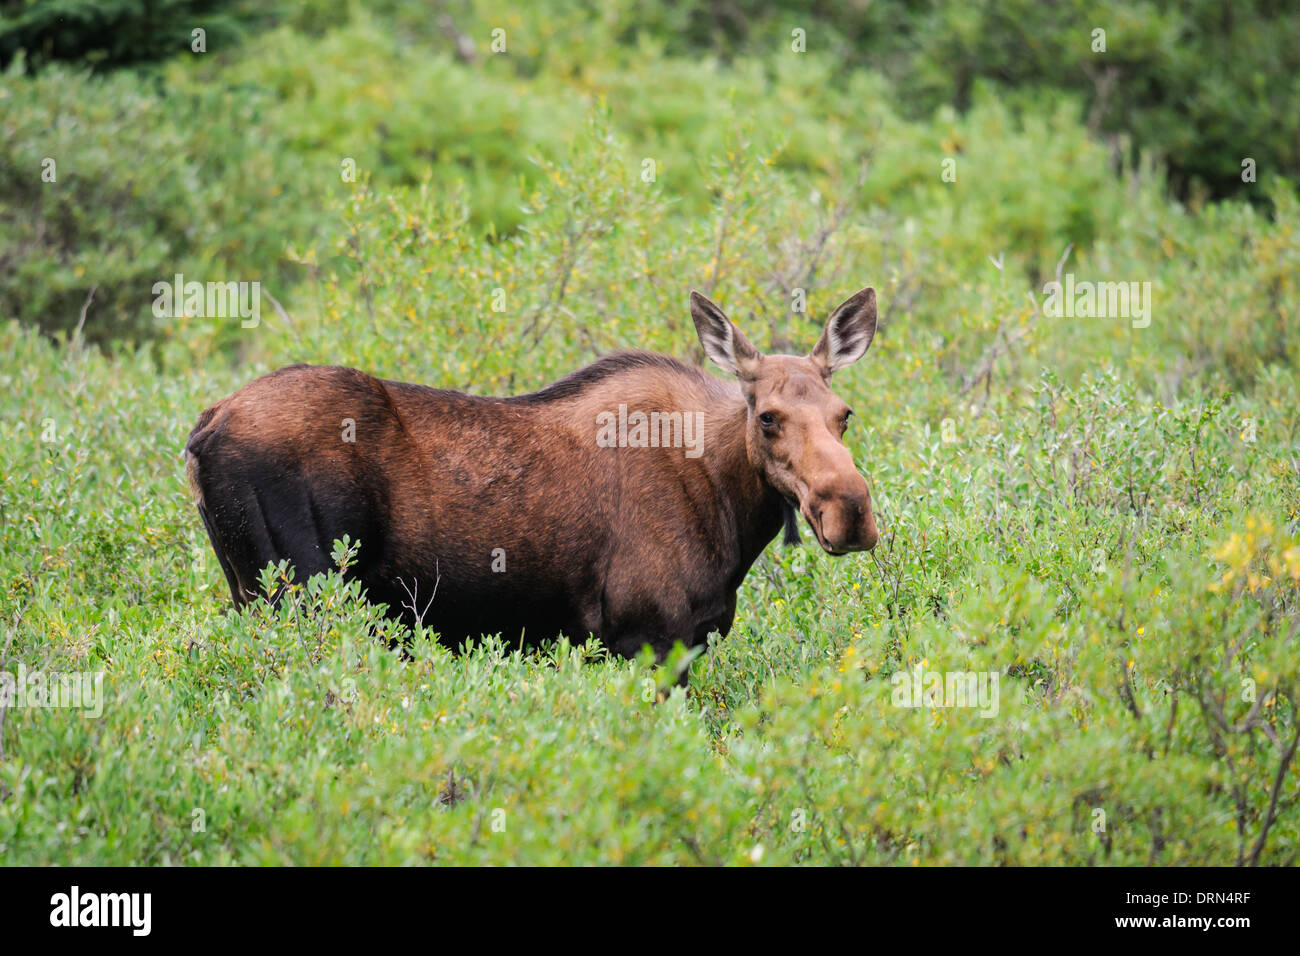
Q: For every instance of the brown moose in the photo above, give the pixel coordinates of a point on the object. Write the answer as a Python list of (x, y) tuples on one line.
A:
[(523, 516)]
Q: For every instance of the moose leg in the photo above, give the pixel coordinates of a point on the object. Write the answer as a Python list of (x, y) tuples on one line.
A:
[(642, 618), (258, 519), (231, 579), (721, 621)]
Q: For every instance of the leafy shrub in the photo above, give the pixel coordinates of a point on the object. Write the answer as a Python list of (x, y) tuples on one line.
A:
[(1201, 86), (116, 34), (112, 187)]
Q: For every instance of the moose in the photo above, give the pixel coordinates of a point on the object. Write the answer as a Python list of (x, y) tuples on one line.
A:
[(512, 516)]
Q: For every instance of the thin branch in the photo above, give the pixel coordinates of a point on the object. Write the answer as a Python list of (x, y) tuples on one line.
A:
[(1271, 817), (413, 595), (85, 307)]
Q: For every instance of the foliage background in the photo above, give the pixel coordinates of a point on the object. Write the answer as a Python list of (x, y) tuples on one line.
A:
[(1113, 531)]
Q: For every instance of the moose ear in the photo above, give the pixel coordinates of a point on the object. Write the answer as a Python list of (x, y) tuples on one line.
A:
[(848, 334), (723, 343)]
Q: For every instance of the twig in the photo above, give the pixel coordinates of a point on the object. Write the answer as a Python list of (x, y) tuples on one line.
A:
[(1271, 816), (461, 41), (85, 307), (280, 311), (414, 594)]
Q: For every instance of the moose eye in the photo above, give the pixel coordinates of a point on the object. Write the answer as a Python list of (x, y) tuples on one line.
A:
[(767, 420)]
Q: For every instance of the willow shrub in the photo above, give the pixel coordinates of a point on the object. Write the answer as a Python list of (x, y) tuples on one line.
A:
[(1096, 517)]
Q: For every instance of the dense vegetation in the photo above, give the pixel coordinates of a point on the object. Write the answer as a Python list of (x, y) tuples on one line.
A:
[(1105, 512)]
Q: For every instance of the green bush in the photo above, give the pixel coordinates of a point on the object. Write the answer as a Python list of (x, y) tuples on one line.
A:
[(1119, 548), (1200, 85), (111, 186), (109, 35)]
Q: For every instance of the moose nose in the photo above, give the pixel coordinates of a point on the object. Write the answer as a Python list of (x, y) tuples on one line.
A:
[(843, 518), (869, 533)]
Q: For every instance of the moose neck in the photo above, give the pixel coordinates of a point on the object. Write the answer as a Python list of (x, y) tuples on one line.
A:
[(757, 509)]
